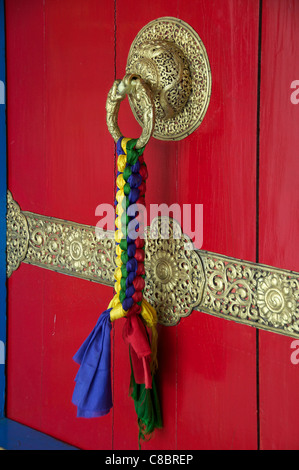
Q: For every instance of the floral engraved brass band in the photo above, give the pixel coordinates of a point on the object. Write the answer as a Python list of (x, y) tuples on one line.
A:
[(179, 279), (59, 245), (249, 293)]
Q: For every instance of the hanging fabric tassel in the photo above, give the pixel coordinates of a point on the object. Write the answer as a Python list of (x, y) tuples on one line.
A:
[(147, 408), (92, 394)]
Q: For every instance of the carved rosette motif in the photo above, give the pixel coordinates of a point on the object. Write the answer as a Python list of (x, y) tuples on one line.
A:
[(278, 301), (17, 235), (174, 272)]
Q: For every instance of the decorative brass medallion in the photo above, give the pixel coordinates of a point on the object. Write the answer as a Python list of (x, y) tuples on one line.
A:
[(277, 299), (178, 278), (172, 60), (174, 272)]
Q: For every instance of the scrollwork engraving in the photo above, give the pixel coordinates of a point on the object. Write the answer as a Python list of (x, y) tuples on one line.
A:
[(70, 248), (254, 294)]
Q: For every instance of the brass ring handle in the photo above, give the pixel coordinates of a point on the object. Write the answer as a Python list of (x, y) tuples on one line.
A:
[(134, 86)]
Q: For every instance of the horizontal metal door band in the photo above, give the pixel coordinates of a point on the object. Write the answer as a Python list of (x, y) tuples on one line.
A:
[(178, 279)]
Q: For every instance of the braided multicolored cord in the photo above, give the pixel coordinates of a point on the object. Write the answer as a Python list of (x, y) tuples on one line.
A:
[(130, 182), (92, 394)]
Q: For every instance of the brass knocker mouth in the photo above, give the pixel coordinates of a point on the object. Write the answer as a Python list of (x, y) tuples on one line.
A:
[(134, 86)]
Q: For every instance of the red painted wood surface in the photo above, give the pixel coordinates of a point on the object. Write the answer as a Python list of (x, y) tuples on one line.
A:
[(62, 58), (279, 206), (60, 164), (207, 365)]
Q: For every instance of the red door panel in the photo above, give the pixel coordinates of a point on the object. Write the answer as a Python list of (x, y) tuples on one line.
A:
[(217, 167), (279, 206), (60, 164)]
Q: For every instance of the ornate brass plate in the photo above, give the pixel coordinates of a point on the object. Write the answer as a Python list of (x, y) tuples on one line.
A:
[(172, 60), (17, 236), (179, 279), (56, 244)]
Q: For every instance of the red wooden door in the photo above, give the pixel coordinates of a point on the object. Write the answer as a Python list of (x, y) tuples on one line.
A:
[(222, 385), (278, 217)]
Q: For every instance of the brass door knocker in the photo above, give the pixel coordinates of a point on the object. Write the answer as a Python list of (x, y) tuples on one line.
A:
[(168, 82), (135, 87)]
